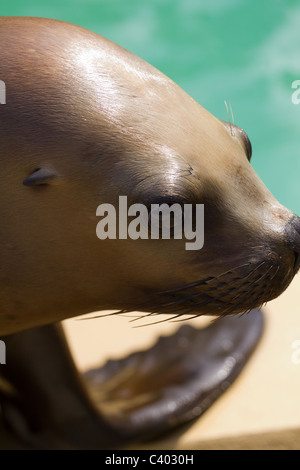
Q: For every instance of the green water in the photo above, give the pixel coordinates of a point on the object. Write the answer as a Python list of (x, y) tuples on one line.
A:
[(246, 52)]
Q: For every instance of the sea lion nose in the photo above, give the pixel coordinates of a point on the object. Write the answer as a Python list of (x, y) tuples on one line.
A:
[(293, 236), (293, 233)]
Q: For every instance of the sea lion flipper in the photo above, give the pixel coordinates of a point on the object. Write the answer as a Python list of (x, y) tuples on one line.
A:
[(138, 397), (176, 380), (43, 400)]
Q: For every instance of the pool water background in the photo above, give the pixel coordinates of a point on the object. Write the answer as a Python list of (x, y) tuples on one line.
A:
[(242, 51)]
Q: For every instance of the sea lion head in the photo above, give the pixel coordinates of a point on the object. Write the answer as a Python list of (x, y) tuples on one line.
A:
[(251, 248), (86, 122)]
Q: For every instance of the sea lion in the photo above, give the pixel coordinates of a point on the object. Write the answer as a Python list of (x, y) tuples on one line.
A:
[(85, 121)]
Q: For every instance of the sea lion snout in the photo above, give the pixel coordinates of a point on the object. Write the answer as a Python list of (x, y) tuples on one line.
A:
[(293, 237)]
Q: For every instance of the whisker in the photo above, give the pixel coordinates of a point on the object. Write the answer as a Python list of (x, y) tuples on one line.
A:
[(156, 322), (104, 315), (221, 295), (182, 287), (230, 123)]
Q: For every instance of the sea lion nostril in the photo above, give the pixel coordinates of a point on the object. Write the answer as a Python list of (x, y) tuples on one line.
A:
[(297, 263), (293, 233), (295, 222)]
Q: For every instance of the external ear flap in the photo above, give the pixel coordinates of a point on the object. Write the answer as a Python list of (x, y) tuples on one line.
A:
[(40, 176)]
